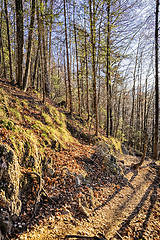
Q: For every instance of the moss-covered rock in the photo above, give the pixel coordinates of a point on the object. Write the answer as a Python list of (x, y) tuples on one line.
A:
[(10, 179)]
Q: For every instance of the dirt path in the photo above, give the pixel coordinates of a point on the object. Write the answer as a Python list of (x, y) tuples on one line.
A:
[(131, 211)]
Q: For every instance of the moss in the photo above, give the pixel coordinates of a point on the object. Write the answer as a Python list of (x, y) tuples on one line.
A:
[(17, 145), (58, 117), (18, 103), (47, 119), (24, 103), (3, 111), (9, 125), (15, 114), (38, 107), (3, 97), (29, 119), (116, 144)]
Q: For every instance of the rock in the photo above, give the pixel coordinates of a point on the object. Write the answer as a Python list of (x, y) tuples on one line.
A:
[(65, 172), (1, 236), (84, 211), (113, 159), (5, 224), (11, 179), (91, 197), (83, 206), (124, 149), (102, 150), (4, 203), (50, 172), (10, 175), (79, 179), (65, 211), (111, 166)]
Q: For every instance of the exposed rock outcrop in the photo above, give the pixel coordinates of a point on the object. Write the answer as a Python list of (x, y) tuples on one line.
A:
[(108, 160), (10, 203)]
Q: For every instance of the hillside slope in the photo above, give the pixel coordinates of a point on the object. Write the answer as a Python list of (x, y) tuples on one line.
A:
[(57, 178)]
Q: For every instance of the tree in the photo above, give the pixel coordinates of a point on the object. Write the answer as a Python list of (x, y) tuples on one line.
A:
[(78, 85), (0, 46), (20, 39), (156, 84), (9, 42), (67, 56), (92, 32), (25, 78)]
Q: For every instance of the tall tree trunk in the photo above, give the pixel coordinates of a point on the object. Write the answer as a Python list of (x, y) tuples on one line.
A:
[(0, 46), (9, 42), (35, 67), (25, 78), (15, 47), (46, 80), (77, 64), (156, 85), (123, 116), (3, 57), (133, 101), (92, 29), (86, 64), (50, 39), (108, 68), (67, 55), (65, 81), (98, 64), (82, 87), (118, 113), (42, 82), (20, 39)]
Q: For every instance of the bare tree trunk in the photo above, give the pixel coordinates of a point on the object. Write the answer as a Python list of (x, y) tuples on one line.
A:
[(67, 55), (65, 80), (4, 64), (156, 85), (25, 78), (46, 80), (50, 39), (9, 42), (108, 68), (35, 66), (42, 82), (92, 29), (133, 102), (86, 64), (20, 39), (0, 45), (15, 47), (82, 87), (118, 113), (78, 85)]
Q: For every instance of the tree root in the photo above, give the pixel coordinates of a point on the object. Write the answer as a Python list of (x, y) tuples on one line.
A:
[(39, 193)]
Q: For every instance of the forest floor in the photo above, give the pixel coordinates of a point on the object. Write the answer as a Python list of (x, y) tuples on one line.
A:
[(127, 208), (123, 211)]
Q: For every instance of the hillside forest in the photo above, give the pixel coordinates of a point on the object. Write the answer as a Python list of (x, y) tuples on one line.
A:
[(79, 119)]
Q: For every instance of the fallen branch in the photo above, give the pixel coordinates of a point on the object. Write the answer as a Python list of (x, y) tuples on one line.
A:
[(85, 237)]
